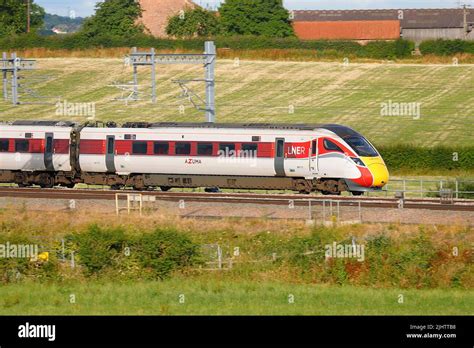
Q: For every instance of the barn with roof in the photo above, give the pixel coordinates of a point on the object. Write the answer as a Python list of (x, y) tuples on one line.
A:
[(365, 25)]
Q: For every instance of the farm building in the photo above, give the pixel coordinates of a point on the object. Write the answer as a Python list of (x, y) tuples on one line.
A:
[(411, 24), (157, 12)]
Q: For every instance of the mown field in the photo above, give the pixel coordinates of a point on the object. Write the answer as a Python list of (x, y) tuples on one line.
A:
[(271, 91), (191, 296)]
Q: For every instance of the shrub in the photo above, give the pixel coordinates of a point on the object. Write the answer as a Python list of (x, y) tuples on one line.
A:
[(463, 186), (194, 22), (97, 248), (163, 251), (14, 269), (376, 50), (446, 47), (408, 157), (112, 252)]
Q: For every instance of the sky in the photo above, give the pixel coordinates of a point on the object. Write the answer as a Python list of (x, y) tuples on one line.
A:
[(83, 8)]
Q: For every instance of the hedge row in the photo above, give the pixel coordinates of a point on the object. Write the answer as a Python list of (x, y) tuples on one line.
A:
[(407, 157), (376, 49), (110, 252), (407, 261), (421, 259), (446, 47)]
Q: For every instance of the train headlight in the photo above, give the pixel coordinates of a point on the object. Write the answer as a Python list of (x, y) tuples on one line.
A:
[(358, 161)]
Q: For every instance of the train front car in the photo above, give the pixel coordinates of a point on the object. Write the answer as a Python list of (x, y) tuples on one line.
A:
[(367, 171)]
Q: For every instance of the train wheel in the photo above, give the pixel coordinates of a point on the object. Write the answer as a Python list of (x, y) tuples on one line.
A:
[(165, 188), (46, 181), (115, 187), (357, 193), (327, 193)]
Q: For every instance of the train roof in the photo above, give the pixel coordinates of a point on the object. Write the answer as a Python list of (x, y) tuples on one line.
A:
[(294, 126), (340, 130), (41, 123)]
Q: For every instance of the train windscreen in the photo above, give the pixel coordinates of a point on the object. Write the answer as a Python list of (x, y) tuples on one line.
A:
[(361, 146)]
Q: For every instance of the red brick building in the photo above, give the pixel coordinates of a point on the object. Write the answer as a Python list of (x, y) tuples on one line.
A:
[(157, 12)]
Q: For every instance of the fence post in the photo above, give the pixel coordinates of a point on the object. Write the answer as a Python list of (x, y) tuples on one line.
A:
[(73, 262), (63, 250), (421, 188), (324, 211), (360, 213), (219, 256), (457, 189)]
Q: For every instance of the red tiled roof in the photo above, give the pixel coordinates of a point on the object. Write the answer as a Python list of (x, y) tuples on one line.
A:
[(350, 30)]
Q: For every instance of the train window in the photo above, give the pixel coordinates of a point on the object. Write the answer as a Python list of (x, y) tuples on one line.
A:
[(330, 146), (249, 150), (361, 146), (4, 145), (314, 148), (139, 148), (280, 148), (204, 149), (227, 150), (21, 145), (183, 148), (161, 148), (49, 145), (110, 145)]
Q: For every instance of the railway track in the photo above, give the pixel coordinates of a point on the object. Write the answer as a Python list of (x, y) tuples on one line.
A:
[(239, 198)]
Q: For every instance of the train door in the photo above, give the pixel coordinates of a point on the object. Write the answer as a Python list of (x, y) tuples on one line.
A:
[(48, 152), (110, 154), (280, 156), (313, 158)]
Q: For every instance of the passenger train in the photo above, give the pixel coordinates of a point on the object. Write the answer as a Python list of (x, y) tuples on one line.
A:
[(305, 158)]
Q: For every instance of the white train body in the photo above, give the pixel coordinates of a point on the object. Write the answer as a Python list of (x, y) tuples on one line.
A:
[(34, 148), (170, 155)]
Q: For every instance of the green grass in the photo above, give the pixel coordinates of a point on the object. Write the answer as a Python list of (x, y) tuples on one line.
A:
[(216, 297), (262, 91)]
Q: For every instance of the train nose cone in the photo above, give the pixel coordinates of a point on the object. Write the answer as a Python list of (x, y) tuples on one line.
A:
[(378, 169)]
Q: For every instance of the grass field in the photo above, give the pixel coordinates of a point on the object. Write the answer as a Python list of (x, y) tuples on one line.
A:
[(215, 297), (268, 91), (417, 263)]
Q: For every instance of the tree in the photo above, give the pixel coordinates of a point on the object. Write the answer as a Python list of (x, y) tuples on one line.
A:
[(255, 17), (13, 17), (114, 18), (193, 22)]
